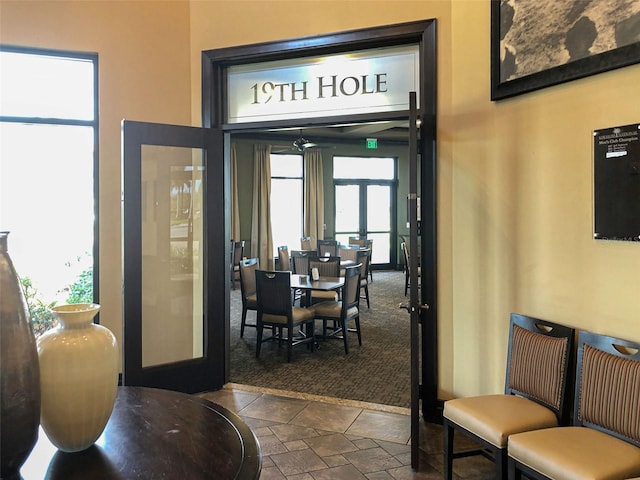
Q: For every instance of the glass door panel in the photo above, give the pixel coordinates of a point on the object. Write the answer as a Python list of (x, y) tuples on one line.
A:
[(379, 222), (347, 218), (172, 229)]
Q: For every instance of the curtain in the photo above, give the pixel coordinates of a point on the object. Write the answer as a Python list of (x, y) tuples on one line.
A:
[(235, 209), (313, 196), (261, 239)]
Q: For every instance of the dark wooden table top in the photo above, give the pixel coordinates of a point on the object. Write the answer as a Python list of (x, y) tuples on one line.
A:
[(304, 282), (156, 434)]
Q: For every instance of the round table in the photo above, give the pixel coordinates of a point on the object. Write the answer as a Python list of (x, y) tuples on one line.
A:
[(156, 434)]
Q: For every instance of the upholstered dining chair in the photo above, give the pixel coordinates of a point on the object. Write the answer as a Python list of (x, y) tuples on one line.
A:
[(346, 310), (604, 440), (358, 241), (327, 267), (247, 268), (348, 256), (328, 248), (305, 243), (364, 256), (237, 252), (276, 310), (407, 272), (284, 263), (300, 261), (535, 396)]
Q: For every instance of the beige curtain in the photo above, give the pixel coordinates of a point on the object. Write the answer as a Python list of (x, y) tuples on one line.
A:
[(313, 196), (261, 239), (235, 208)]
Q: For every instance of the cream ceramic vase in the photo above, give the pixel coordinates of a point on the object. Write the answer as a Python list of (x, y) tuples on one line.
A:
[(78, 377)]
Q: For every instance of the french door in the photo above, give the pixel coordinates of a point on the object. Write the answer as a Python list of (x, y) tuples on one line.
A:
[(174, 239), (366, 208)]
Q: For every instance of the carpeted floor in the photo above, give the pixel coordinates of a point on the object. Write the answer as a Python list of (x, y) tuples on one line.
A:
[(377, 372)]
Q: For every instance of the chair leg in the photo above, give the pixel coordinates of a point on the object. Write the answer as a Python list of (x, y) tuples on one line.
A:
[(406, 282), (448, 450), (344, 335), (366, 292), (243, 322), (358, 330), (514, 473), (258, 339), (501, 457), (289, 343)]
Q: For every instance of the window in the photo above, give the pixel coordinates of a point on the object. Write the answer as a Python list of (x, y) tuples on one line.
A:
[(48, 158), (286, 201), (364, 193)]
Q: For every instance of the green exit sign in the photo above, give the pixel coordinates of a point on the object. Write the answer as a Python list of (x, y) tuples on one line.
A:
[(372, 143)]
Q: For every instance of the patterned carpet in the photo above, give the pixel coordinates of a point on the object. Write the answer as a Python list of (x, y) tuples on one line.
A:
[(377, 372)]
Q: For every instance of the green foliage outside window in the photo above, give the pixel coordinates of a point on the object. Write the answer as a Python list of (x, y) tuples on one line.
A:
[(81, 291)]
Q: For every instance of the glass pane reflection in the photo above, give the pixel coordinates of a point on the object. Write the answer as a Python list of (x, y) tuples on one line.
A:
[(172, 232)]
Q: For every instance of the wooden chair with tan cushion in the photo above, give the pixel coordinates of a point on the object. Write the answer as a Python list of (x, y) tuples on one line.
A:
[(604, 440), (537, 382), (276, 310), (247, 269)]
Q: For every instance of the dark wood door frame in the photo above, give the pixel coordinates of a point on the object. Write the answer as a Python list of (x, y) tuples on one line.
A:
[(214, 65)]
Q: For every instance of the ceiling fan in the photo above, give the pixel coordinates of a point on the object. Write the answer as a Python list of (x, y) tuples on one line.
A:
[(301, 144)]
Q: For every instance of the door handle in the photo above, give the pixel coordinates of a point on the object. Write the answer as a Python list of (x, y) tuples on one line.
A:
[(409, 308)]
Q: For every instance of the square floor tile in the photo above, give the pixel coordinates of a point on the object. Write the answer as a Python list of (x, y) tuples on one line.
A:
[(299, 461), (328, 445), (274, 408), (325, 416), (382, 425), (234, 400), (372, 460)]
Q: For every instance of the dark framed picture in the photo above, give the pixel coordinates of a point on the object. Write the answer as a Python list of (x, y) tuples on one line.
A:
[(539, 43)]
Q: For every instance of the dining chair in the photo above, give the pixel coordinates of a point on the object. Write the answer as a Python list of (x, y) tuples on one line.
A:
[(328, 247), (247, 268), (284, 262), (344, 310), (327, 267), (305, 243), (407, 272), (603, 441), (369, 245), (363, 257), (237, 252), (358, 241), (300, 261), (537, 383), (275, 309)]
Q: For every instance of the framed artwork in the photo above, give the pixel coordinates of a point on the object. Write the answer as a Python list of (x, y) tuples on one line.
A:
[(539, 43)]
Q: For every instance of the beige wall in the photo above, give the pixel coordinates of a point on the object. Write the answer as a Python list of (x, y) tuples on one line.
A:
[(143, 62), (514, 178)]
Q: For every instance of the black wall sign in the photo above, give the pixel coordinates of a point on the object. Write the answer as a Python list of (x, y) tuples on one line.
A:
[(616, 153)]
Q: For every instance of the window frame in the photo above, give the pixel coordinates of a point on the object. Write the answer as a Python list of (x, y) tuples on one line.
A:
[(301, 179)]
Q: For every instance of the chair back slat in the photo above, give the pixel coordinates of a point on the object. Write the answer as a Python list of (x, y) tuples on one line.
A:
[(608, 386), (539, 362)]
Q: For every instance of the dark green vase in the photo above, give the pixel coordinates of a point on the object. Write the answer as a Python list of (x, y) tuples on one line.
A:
[(20, 371)]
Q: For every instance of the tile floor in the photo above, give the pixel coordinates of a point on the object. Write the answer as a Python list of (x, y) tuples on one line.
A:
[(306, 437)]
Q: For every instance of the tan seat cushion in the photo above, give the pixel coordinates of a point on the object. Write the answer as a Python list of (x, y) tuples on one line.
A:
[(298, 315), (495, 417), (333, 310), (576, 453), (322, 295)]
